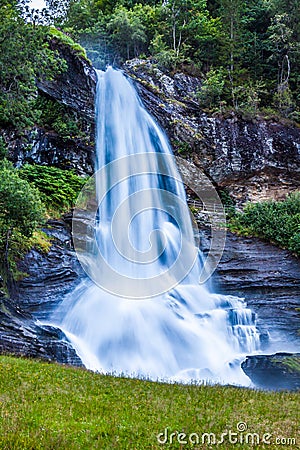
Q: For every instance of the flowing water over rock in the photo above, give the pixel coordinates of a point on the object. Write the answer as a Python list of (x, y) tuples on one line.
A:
[(145, 313)]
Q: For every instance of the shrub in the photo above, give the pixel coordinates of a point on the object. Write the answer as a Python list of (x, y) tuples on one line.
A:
[(276, 221), (228, 203), (212, 88), (58, 188), (21, 211)]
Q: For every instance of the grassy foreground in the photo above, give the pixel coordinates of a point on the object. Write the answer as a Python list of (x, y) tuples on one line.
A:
[(48, 406)]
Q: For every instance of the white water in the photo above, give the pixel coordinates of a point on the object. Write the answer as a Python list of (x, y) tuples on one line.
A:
[(185, 333)]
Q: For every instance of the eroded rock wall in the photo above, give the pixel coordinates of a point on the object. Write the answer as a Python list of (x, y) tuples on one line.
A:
[(253, 159), (74, 88)]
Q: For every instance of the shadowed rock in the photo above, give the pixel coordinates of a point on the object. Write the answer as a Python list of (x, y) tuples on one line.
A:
[(274, 372), (49, 277), (254, 159)]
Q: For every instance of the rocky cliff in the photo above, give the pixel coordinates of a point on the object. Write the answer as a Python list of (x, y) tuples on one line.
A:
[(75, 89), (49, 277), (253, 159)]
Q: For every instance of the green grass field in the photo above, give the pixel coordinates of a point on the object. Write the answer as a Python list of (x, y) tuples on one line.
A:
[(49, 406)]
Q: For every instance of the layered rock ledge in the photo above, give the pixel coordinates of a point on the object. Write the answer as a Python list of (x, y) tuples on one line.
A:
[(48, 278), (254, 159)]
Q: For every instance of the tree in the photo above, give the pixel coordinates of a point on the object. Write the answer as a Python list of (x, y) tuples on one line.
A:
[(25, 56), (80, 16), (291, 8), (204, 36), (57, 11), (212, 88), (183, 19), (281, 45), (127, 32), (231, 12), (234, 37), (285, 52)]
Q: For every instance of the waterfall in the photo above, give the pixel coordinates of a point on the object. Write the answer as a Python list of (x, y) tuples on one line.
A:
[(142, 311)]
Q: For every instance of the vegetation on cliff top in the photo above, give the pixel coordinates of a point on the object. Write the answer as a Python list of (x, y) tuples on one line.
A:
[(25, 56), (247, 53), (47, 406)]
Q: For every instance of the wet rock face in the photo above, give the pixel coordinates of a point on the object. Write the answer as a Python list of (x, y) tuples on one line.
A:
[(268, 278), (74, 88), (256, 160), (253, 159), (20, 335), (49, 277), (180, 87), (274, 372), (38, 146)]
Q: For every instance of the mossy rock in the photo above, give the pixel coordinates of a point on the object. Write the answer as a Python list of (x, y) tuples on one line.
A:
[(275, 372)]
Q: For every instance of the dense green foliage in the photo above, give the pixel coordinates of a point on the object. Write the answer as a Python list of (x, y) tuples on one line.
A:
[(47, 406), (247, 52), (25, 196), (25, 56), (58, 188), (278, 222), (21, 211)]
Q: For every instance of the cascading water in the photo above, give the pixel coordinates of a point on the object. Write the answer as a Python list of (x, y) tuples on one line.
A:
[(179, 331)]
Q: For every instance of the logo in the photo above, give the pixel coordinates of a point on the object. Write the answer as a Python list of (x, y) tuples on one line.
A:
[(103, 222)]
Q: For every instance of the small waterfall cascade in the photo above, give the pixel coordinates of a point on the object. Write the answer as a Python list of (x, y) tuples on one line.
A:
[(179, 331)]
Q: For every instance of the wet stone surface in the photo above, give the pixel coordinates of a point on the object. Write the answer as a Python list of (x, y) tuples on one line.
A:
[(50, 277), (268, 278), (274, 372)]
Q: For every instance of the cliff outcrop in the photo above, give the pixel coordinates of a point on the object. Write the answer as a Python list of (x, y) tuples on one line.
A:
[(75, 89), (253, 159)]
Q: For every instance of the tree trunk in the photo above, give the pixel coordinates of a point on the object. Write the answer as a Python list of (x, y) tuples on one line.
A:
[(174, 35), (231, 43)]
